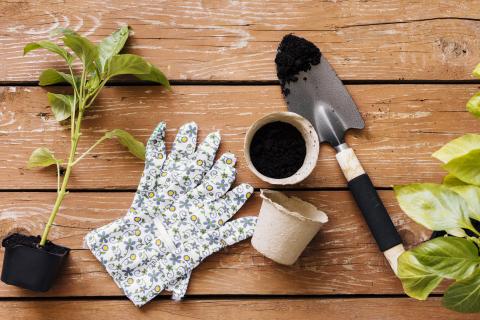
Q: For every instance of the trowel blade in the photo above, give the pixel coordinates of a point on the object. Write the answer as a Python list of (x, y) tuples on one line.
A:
[(320, 96)]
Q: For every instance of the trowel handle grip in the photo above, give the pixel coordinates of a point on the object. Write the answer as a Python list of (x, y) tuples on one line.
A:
[(371, 206)]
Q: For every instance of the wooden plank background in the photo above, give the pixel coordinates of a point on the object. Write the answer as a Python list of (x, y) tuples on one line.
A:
[(407, 65)]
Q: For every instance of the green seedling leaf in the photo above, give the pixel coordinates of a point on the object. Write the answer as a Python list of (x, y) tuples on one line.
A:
[(451, 181), (61, 105), (111, 45), (50, 46), (127, 64), (458, 147), (135, 147), (85, 50), (52, 76), (464, 296), (155, 75), (466, 167), (41, 157), (471, 194), (473, 105), (417, 281), (448, 257), (434, 206)]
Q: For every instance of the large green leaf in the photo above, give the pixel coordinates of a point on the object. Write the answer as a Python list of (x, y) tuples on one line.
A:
[(41, 157), (473, 105), (464, 295), (85, 50), (135, 147), (52, 76), (458, 147), (448, 257), (466, 167), (50, 46), (471, 194), (127, 64), (476, 71), (61, 105), (155, 75), (418, 282), (111, 46), (452, 181), (434, 206)]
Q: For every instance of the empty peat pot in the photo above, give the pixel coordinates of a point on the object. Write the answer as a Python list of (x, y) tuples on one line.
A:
[(281, 148), (285, 226), (28, 266)]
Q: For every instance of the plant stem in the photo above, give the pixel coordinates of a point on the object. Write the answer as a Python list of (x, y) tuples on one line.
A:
[(89, 149), (63, 189)]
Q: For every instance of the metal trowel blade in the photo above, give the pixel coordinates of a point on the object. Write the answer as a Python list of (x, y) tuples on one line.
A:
[(320, 96)]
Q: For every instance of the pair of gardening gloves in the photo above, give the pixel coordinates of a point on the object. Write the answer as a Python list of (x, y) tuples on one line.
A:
[(178, 217)]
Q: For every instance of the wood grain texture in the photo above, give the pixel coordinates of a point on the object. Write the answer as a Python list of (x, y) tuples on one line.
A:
[(405, 124), (236, 40), (342, 259), (274, 309)]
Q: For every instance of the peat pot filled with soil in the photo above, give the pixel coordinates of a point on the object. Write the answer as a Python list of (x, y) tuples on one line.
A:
[(30, 266)]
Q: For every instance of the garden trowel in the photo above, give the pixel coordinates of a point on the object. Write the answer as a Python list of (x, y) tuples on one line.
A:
[(313, 90)]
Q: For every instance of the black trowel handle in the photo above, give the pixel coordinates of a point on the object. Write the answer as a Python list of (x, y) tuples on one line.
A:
[(370, 205)]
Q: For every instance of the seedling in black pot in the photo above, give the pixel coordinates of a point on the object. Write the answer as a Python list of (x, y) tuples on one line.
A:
[(33, 262)]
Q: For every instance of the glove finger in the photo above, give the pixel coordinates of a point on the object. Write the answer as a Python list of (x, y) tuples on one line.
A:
[(231, 202), (194, 169), (217, 181), (203, 160), (183, 146), (237, 230), (186, 140), (179, 287), (230, 233), (155, 156)]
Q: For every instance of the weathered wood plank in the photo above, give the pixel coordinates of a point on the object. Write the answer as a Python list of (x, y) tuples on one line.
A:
[(342, 259), (287, 309), (404, 125), (236, 40)]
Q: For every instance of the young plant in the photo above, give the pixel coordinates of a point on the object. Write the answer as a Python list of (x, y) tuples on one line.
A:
[(99, 64), (454, 208)]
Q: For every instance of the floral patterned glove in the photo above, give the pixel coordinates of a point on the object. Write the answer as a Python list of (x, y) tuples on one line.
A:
[(168, 231)]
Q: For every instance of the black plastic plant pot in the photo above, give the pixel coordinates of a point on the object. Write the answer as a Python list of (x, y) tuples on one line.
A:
[(28, 266)]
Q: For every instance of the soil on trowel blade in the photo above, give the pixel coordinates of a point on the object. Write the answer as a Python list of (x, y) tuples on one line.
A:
[(295, 54)]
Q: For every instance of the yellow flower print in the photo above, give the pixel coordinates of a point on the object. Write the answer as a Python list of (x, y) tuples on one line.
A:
[(184, 139), (199, 162), (157, 288), (151, 195), (138, 232), (129, 280), (171, 192), (158, 242), (229, 161), (249, 194), (137, 219), (172, 208), (220, 222), (133, 256), (209, 188), (160, 156), (164, 173), (193, 218), (104, 247), (186, 257)]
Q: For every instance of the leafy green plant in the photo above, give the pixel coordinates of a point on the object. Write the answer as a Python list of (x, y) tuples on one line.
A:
[(452, 207), (99, 63)]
